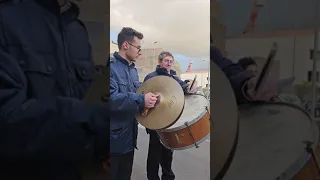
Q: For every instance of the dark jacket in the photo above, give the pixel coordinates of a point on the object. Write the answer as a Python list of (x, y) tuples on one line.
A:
[(124, 104), (237, 76), (46, 66), (164, 72)]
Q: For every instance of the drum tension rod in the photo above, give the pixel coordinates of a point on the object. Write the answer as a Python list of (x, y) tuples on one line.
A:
[(190, 133), (309, 150), (207, 109)]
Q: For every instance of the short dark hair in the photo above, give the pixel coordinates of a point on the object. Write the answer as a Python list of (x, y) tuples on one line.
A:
[(127, 34), (164, 54), (246, 61)]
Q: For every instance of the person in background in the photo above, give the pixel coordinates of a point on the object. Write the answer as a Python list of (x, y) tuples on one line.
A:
[(158, 154), (242, 82), (249, 64), (46, 67), (125, 103)]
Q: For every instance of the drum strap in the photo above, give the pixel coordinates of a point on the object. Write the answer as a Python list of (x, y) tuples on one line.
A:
[(309, 150)]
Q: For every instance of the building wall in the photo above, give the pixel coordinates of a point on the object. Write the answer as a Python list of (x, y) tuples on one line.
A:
[(275, 15), (293, 54), (113, 47), (202, 77), (148, 61)]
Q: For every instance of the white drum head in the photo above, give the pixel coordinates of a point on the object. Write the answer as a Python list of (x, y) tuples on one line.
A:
[(271, 142), (194, 109)]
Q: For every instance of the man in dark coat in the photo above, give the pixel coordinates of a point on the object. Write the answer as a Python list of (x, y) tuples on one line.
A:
[(46, 66), (158, 154), (243, 82), (125, 103)]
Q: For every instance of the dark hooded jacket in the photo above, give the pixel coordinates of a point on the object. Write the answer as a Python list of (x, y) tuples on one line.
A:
[(236, 75), (125, 103), (46, 66)]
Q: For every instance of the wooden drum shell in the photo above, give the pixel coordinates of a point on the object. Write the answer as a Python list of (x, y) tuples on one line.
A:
[(309, 170), (182, 139)]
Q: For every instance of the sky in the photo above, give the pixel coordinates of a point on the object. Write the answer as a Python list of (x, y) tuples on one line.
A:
[(179, 26)]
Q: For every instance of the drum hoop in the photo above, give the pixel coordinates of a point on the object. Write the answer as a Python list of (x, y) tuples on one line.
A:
[(188, 122), (293, 169), (277, 103), (183, 125), (187, 147), (231, 155)]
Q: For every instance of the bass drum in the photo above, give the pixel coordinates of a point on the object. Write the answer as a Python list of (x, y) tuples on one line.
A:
[(193, 126), (272, 142), (224, 122)]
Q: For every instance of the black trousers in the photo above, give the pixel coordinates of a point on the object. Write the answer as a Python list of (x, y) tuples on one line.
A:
[(121, 166), (159, 155)]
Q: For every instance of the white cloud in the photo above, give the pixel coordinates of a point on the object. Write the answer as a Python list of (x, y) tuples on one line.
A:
[(180, 26)]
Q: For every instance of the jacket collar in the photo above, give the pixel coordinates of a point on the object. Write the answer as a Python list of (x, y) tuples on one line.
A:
[(122, 60), (163, 71)]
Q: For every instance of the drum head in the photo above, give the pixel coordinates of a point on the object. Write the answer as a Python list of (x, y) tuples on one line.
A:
[(100, 88), (168, 110), (194, 109), (271, 142), (224, 126)]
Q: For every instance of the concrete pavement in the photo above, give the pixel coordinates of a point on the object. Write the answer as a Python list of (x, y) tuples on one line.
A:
[(190, 164)]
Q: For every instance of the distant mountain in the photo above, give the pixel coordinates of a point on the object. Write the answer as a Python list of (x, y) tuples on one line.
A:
[(275, 15)]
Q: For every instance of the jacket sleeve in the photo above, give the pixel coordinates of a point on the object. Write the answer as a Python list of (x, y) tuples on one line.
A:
[(124, 102), (234, 72), (49, 127)]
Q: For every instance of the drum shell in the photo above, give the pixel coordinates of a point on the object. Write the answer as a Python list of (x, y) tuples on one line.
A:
[(309, 171), (184, 137)]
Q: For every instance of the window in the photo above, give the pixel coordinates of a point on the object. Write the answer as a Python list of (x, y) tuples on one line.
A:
[(310, 76)]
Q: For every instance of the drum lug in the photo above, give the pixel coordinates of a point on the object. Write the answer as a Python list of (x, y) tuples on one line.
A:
[(207, 109), (310, 151), (190, 133)]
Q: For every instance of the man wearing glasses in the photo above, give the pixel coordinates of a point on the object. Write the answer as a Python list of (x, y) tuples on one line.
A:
[(125, 103), (46, 130), (158, 154)]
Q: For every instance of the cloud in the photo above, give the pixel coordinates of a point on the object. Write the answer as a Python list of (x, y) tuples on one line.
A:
[(180, 26)]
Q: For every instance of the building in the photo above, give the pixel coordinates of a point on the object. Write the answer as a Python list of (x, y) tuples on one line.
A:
[(294, 56), (113, 47), (275, 15), (202, 77)]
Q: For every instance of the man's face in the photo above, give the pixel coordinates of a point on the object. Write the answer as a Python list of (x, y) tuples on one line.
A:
[(167, 62), (252, 68), (133, 49)]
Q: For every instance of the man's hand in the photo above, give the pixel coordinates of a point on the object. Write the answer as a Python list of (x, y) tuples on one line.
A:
[(150, 100), (266, 93), (194, 87)]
